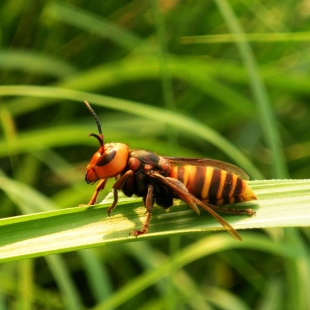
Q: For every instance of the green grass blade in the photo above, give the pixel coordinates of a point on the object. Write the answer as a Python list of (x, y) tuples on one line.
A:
[(93, 24), (25, 284), (182, 122), (66, 286), (195, 72), (34, 62), (282, 203), (298, 272), (97, 275), (201, 248), (284, 37), (166, 81), (268, 121), (223, 299)]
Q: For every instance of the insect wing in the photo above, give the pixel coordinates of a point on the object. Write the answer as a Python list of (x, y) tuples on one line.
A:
[(209, 162), (193, 199)]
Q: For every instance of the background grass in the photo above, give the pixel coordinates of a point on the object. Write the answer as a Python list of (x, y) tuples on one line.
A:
[(219, 79)]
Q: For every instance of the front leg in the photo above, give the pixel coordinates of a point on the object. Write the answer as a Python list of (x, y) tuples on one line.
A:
[(149, 202), (99, 187)]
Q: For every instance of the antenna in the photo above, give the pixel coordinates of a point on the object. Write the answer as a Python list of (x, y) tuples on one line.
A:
[(100, 137)]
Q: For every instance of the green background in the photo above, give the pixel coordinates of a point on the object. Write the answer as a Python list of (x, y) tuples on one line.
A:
[(218, 79)]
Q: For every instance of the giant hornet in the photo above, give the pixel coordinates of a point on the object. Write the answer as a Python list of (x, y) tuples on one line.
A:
[(206, 183)]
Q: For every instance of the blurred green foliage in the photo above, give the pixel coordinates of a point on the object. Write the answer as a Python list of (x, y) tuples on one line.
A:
[(219, 79)]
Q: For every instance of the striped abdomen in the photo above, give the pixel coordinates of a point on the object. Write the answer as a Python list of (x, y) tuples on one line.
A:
[(213, 185)]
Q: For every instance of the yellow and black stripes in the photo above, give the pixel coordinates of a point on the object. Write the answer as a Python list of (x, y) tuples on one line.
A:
[(213, 185)]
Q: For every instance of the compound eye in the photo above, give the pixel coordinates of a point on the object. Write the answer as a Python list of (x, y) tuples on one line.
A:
[(106, 158)]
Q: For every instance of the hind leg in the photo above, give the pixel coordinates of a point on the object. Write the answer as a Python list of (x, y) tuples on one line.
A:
[(234, 211)]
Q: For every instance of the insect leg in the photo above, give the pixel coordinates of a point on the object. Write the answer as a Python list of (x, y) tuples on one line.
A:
[(122, 180), (235, 211), (149, 201), (99, 187), (117, 186), (181, 193), (114, 203), (145, 227)]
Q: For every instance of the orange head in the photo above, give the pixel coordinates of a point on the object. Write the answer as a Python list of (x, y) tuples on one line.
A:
[(109, 160)]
